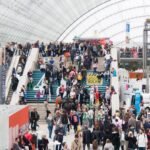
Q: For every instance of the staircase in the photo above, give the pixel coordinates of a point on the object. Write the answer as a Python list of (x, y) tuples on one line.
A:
[(31, 94), (101, 88), (41, 110), (37, 75)]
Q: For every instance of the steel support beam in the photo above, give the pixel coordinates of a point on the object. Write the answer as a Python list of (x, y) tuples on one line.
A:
[(146, 43)]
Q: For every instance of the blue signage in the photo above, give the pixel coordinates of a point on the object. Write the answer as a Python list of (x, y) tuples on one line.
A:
[(128, 27)]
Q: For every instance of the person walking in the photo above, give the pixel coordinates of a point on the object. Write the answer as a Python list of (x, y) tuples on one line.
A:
[(90, 117), (46, 104), (64, 120), (75, 121), (59, 136), (62, 91), (132, 141), (34, 117), (44, 142), (115, 139), (142, 140), (50, 123), (86, 138), (76, 144)]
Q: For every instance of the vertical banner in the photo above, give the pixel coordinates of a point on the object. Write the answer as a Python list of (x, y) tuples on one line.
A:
[(128, 28)]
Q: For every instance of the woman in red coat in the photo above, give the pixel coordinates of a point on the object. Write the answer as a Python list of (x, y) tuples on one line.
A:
[(97, 95)]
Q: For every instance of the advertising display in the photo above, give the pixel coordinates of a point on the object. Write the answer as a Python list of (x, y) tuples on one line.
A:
[(92, 79), (14, 120)]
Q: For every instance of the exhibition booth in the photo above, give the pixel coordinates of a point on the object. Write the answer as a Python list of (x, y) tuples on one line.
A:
[(14, 120), (130, 82)]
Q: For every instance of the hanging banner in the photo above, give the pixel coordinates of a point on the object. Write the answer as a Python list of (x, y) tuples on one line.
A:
[(128, 28), (127, 38)]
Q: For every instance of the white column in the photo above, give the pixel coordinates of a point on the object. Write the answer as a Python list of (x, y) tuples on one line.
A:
[(115, 102)]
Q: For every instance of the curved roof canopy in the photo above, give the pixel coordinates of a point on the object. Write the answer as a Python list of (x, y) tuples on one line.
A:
[(52, 20)]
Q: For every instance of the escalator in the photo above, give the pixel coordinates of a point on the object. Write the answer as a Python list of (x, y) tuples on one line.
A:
[(15, 74), (29, 65)]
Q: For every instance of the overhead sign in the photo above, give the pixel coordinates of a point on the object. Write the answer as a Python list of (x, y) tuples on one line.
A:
[(128, 27)]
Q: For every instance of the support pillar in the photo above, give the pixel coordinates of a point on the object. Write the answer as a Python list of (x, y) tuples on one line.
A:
[(146, 52)]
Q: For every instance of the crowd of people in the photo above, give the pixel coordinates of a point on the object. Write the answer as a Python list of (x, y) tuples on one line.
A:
[(134, 52), (86, 110), (82, 57)]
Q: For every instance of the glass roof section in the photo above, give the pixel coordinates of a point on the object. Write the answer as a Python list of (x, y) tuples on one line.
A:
[(109, 20), (30, 20)]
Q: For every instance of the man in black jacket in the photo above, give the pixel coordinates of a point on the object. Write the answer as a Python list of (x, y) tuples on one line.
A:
[(59, 135), (34, 117), (64, 120), (86, 138), (96, 135)]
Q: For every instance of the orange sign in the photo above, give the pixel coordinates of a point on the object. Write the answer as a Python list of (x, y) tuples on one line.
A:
[(19, 118), (136, 75)]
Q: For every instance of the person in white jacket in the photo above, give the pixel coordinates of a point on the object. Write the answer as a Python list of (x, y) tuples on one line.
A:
[(92, 95), (142, 140)]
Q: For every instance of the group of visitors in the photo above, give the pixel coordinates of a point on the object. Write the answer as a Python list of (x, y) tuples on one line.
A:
[(76, 105), (74, 72), (53, 49), (97, 127), (90, 116), (86, 110), (134, 52), (27, 140)]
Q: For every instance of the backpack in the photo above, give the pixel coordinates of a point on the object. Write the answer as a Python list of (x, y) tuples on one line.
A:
[(75, 119), (64, 120)]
